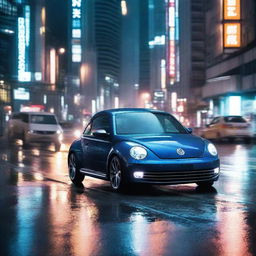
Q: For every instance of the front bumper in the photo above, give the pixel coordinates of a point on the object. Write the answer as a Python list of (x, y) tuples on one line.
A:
[(175, 171), (44, 138)]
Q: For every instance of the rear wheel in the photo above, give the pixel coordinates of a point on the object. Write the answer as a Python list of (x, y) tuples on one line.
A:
[(205, 184), (74, 174), (116, 174)]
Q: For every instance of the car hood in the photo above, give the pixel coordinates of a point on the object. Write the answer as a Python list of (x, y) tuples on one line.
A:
[(166, 147)]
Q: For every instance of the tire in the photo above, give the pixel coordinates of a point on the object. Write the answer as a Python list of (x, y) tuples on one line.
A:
[(73, 167), (205, 184), (116, 175), (57, 146)]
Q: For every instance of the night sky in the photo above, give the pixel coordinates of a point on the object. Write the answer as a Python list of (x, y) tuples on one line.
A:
[(56, 23)]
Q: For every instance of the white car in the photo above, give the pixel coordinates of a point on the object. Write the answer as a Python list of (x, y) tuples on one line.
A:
[(228, 127), (35, 127)]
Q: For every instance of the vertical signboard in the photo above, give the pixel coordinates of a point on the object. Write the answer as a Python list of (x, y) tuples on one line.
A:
[(172, 39), (232, 10), (232, 24), (23, 46), (76, 31), (232, 35)]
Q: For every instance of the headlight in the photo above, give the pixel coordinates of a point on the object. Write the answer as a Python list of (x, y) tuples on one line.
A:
[(138, 152), (212, 149), (59, 131)]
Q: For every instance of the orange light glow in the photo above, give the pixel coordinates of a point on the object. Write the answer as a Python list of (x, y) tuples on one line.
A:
[(232, 35), (232, 10)]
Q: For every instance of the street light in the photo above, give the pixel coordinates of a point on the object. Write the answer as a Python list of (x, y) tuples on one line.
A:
[(62, 50)]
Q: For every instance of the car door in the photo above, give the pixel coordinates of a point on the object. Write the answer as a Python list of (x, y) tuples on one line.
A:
[(212, 128), (96, 149)]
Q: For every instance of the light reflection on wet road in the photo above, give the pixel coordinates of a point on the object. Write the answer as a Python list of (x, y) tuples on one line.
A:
[(41, 213)]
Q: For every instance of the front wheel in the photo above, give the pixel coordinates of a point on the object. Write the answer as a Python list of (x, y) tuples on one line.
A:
[(74, 174), (116, 174), (205, 184)]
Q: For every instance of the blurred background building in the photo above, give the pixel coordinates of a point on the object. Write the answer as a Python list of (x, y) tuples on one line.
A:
[(230, 87), (100, 68), (193, 58)]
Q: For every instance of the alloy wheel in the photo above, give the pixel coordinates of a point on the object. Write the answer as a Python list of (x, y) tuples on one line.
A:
[(115, 173), (72, 166)]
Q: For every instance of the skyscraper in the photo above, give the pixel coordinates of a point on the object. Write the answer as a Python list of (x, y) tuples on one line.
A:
[(100, 47)]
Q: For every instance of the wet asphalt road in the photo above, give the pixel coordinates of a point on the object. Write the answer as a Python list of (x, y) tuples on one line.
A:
[(41, 213)]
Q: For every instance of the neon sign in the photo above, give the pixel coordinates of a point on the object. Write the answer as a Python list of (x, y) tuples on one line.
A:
[(22, 74), (232, 24), (232, 35), (232, 10), (76, 31), (173, 37), (23, 46)]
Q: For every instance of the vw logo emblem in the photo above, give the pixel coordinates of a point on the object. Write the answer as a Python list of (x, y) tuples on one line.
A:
[(180, 151)]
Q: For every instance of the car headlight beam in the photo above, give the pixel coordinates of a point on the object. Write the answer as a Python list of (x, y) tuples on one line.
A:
[(138, 152), (212, 149)]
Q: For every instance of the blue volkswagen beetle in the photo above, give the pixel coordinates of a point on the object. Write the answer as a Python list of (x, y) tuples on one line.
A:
[(128, 146)]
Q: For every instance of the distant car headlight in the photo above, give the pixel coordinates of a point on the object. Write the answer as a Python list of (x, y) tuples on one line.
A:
[(138, 152), (59, 131), (212, 149), (77, 133)]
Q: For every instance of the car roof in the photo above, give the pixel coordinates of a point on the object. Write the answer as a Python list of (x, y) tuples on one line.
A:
[(125, 110)]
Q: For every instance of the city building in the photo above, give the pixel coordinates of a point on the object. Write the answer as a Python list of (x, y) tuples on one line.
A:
[(135, 54), (158, 52), (230, 87), (34, 82), (95, 47), (8, 14), (186, 58)]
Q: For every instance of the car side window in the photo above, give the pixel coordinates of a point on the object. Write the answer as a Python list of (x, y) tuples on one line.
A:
[(101, 122), (88, 129), (215, 120)]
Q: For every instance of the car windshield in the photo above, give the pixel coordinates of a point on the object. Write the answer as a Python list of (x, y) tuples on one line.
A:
[(147, 123), (43, 119), (234, 119)]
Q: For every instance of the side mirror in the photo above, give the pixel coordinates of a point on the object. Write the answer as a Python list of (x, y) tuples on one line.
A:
[(190, 130), (100, 133)]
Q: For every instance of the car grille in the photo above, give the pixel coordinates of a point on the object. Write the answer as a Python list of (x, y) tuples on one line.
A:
[(45, 132), (178, 176)]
